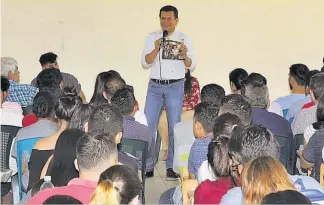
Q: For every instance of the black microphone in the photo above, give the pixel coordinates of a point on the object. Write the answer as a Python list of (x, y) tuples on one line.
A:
[(165, 34)]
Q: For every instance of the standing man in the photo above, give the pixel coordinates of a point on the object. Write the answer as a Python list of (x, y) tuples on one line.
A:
[(166, 84), (49, 60)]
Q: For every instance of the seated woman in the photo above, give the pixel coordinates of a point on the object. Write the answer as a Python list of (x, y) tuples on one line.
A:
[(190, 100), (211, 192), (263, 176), (60, 166), (43, 148), (117, 185)]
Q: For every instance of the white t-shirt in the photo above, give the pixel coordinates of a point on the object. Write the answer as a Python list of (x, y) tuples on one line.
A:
[(205, 172)]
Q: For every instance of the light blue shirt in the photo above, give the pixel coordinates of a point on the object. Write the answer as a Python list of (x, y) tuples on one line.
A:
[(286, 101), (302, 183), (296, 107)]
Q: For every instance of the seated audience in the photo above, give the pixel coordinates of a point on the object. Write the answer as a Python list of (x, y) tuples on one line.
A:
[(262, 176), (80, 116), (298, 105), (49, 60), (307, 116), (212, 191), (22, 94), (44, 147), (124, 100), (94, 154), (297, 81), (248, 143), (236, 79), (258, 95), (61, 199), (260, 79), (285, 197), (190, 100), (43, 107), (60, 166), (204, 118), (117, 185), (223, 126), (237, 105), (8, 116), (108, 119)]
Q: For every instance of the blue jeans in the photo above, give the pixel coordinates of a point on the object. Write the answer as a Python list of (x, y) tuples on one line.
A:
[(171, 96)]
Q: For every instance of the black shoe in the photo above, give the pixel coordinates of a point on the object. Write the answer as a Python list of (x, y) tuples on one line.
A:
[(149, 174), (171, 175)]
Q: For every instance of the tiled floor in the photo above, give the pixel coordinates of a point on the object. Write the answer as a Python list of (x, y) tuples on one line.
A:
[(156, 185)]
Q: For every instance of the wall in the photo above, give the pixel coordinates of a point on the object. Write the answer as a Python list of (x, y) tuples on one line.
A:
[(93, 36)]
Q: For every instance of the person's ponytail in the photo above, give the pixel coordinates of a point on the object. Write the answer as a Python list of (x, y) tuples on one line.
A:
[(105, 193), (188, 84)]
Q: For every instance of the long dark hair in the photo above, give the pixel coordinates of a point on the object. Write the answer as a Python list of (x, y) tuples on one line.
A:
[(62, 168), (101, 80), (80, 116), (319, 114), (188, 84)]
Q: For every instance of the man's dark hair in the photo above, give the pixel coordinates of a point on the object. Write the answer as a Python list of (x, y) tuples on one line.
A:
[(322, 69), (286, 197), (309, 75), (206, 113), (5, 84), (256, 78), (237, 77), (62, 199), (93, 149), (106, 119), (43, 105), (252, 141), (47, 58), (225, 124), (113, 84), (212, 93), (258, 94), (316, 84), (218, 158), (50, 77), (237, 105), (169, 8), (299, 73), (124, 99)]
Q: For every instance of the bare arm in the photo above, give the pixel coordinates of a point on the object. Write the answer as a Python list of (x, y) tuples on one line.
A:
[(149, 58)]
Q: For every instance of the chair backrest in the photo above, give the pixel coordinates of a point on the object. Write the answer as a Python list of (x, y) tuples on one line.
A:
[(298, 140), (284, 149), (24, 149), (314, 195), (8, 133), (139, 149)]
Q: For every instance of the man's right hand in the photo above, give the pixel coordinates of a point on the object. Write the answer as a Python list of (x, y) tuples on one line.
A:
[(157, 44)]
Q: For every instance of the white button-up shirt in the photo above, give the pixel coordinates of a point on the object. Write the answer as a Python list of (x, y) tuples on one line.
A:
[(170, 69)]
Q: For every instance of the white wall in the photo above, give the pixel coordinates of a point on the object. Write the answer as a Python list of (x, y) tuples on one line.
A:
[(93, 36)]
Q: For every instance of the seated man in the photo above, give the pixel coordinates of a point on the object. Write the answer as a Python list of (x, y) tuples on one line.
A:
[(258, 95), (253, 141), (307, 116), (49, 60), (297, 81), (107, 119), (204, 118), (20, 93), (183, 132), (94, 154), (298, 105), (125, 101)]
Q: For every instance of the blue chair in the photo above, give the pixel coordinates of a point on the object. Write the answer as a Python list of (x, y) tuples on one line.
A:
[(24, 149)]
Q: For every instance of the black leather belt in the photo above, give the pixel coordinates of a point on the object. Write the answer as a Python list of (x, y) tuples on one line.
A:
[(165, 82)]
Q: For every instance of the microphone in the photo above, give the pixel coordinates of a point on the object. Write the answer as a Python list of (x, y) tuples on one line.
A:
[(165, 34)]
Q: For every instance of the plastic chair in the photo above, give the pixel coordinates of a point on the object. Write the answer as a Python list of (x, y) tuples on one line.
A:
[(139, 149), (284, 150), (24, 149), (314, 195), (298, 140)]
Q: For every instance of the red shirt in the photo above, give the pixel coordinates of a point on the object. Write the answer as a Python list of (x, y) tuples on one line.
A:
[(308, 105), (77, 188), (191, 101), (212, 192), (29, 120)]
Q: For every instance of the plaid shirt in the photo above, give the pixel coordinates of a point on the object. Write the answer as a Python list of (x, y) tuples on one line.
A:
[(21, 93)]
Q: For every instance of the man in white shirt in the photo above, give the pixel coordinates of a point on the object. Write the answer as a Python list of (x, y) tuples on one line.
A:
[(166, 85)]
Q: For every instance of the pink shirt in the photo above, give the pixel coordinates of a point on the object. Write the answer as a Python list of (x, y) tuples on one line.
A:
[(77, 188)]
